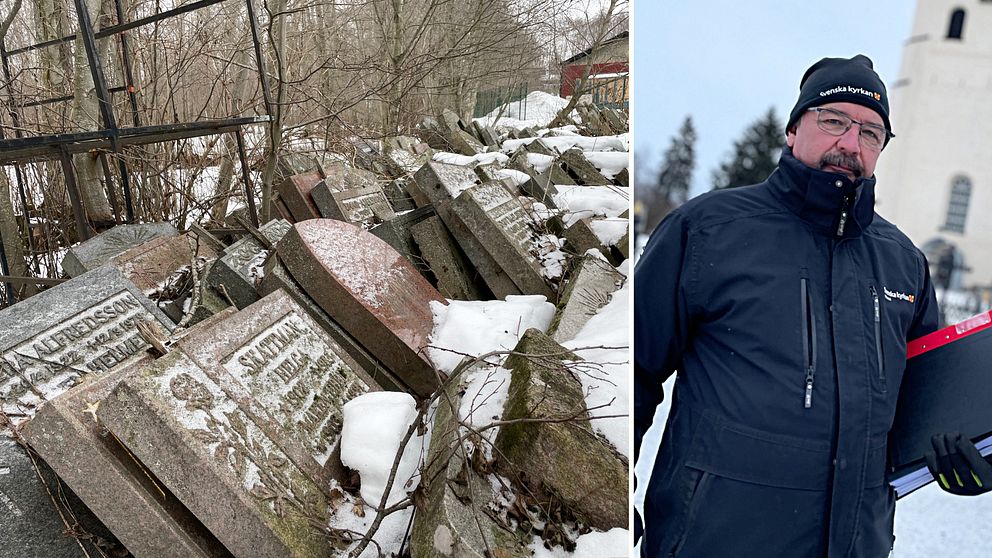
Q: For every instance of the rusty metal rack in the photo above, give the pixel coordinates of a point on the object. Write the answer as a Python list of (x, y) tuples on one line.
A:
[(111, 138)]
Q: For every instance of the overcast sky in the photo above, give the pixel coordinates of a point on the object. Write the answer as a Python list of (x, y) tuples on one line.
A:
[(725, 63)]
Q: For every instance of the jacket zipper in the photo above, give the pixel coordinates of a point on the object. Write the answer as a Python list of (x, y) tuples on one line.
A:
[(845, 206), (809, 342), (878, 334)]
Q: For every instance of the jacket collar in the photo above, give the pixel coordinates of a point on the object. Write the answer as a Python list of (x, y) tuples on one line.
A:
[(820, 198)]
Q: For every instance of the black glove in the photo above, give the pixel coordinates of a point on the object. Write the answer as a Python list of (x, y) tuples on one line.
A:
[(957, 465)]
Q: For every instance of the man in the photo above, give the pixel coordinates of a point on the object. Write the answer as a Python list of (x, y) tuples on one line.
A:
[(769, 302)]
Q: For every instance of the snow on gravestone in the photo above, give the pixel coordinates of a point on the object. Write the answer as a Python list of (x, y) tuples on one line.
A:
[(287, 368), (356, 206), (438, 183), (370, 289), (151, 523), (242, 422), (236, 269), (498, 222), (592, 283), (51, 340), (95, 252)]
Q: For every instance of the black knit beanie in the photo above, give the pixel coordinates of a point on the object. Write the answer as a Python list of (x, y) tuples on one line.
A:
[(837, 80)]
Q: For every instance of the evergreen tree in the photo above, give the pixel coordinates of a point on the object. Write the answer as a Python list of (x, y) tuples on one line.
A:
[(675, 176), (755, 155)]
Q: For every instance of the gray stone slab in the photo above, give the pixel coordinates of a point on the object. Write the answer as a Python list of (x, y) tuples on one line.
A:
[(30, 525), (590, 286), (290, 377), (455, 522), (566, 461), (50, 341), (439, 182), (498, 222), (371, 290), (398, 196), (240, 267), (148, 520), (278, 278), (396, 232), (575, 162), (622, 178), (221, 464), (456, 278), (98, 250), (580, 238), (361, 206)]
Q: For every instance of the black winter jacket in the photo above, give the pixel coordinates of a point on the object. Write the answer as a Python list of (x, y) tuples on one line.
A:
[(786, 308)]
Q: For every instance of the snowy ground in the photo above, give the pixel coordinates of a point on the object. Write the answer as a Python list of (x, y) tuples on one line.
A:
[(929, 522)]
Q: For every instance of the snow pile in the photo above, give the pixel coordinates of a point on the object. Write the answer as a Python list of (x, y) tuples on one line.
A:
[(534, 111), (474, 328), (580, 202), (470, 161), (609, 163), (374, 426), (611, 544), (609, 231), (564, 143)]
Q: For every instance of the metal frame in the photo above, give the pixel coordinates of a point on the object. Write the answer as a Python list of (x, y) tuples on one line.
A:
[(111, 138)]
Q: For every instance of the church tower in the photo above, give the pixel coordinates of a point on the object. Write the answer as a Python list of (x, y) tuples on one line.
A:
[(935, 176)]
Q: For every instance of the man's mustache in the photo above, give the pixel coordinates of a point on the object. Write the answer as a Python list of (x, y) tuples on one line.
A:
[(849, 162)]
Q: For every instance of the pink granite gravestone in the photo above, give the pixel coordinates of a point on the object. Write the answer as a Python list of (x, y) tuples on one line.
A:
[(370, 289)]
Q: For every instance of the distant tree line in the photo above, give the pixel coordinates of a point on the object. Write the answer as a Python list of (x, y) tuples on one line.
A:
[(752, 158)]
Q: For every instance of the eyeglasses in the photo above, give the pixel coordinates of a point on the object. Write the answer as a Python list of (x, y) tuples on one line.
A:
[(837, 123)]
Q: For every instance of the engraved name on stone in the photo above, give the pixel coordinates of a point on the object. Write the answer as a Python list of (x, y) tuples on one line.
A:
[(360, 207), (505, 211), (51, 362), (299, 380), (226, 433)]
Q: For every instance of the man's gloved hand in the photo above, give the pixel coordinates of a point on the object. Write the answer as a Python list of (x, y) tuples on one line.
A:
[(957, 465)]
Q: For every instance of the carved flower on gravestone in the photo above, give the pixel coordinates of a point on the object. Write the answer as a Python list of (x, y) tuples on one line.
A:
[(195, 394)]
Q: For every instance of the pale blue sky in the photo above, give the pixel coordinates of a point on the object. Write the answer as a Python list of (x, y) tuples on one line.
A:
[(725, 63)]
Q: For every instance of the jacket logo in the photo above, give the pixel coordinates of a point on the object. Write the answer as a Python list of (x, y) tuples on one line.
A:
[(889, 295)]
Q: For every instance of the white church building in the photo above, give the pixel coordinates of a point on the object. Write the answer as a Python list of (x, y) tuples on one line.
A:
[(935, 178)]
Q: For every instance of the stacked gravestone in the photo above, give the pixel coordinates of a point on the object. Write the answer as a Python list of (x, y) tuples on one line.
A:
[(242, 422), (277, 278), (398, 196), (397, 232), (48, 344), (30, 524), (592, 282), (96, 251), (439, 184), (238, 268), (566, 459), (371, 290), (455, 522), (295, 195), (582, 169), (147, 519), (357, 205), (50, 341), (456, 278), (150, 264), (499, 224), (455, 133)]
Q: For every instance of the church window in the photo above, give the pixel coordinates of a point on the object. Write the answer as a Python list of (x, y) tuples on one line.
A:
[(957, 24), (957, 206)]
